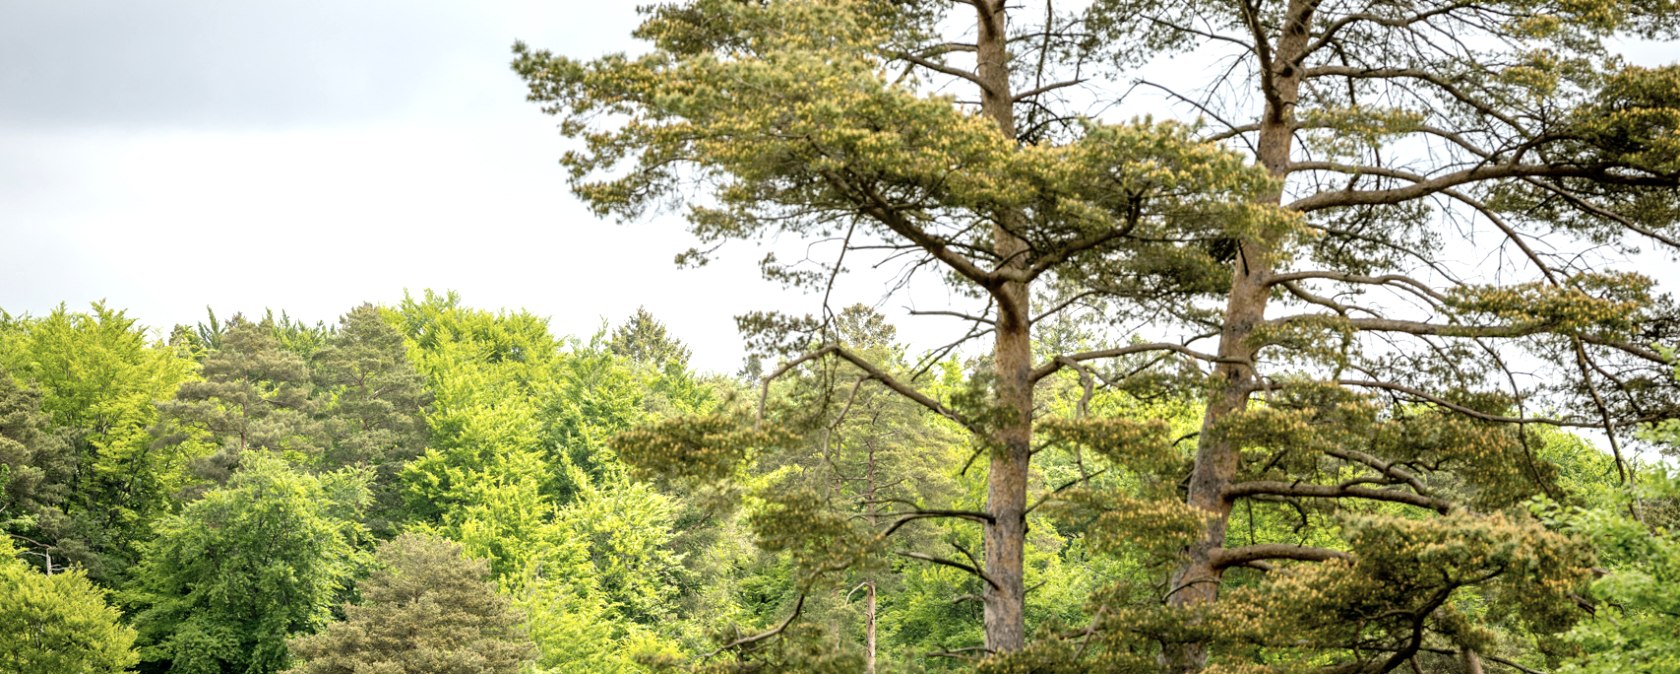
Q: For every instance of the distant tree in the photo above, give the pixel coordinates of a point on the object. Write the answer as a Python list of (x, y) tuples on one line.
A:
[(35, 466), (97, 378), (247, 566), (643, 339), (373, 404), (57, 623), (254, 396), (426, 610)]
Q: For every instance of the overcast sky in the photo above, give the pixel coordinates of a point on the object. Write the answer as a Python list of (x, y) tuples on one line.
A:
[(314, 154), (310, 155)]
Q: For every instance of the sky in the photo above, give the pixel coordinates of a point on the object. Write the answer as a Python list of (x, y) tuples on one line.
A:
[(172, 155), (312, 155)]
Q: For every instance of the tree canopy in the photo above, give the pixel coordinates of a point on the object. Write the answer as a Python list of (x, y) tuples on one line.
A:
[(1283, 255)]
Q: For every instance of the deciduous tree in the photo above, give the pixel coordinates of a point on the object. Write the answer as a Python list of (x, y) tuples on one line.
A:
[(58, 623), (247, 566), (98, 378)]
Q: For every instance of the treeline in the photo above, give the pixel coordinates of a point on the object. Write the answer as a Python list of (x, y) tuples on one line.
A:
[(436, 488)]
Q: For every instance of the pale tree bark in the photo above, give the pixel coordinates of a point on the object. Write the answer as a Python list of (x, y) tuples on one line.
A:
[(1472, 661), (869, 627), (870, 499)]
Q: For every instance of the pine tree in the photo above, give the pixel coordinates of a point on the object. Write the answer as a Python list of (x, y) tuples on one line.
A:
[(374, 403), (1355, 374), (789, 110), (35, 467), (427, 609), (254, 396), (643, 339)]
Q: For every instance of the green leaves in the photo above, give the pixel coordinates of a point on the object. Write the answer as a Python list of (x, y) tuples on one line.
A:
[(59, 623), (93, 477), (1635, 618), (247, 566), (710, 448)]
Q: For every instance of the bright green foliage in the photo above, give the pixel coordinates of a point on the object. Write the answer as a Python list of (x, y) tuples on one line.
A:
[(425, 610), (1637, 618), (57, 624), (98, 377), (628, 528), (520, 473), (248, 565), (486, 373)]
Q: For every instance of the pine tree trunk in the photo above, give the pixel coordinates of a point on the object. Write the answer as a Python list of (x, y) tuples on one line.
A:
[(1196, 583), (870, 499), (1472, 661), (1004, 596)]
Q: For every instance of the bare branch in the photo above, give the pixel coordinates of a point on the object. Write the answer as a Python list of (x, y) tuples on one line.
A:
[(953, 564), (798, 607), (874, 372), (1304, 490), (907, 518), (1052, 367), (1227, 557), (1048, 88)]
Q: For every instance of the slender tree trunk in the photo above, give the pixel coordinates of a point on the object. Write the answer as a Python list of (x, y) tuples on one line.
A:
[(1004, 596), (870, 499), (869, 628), (1472, 661), (1196, 582)]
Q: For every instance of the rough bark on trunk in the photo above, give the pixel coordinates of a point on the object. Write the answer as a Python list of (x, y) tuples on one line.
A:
[(1472, 661), (1004, 596), (1196, 582)]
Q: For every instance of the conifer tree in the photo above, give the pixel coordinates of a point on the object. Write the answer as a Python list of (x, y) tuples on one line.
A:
[(643, 339), (35, 465), (254, 396), (427, 609), (373, 404), (795, 114), (1376, 141)]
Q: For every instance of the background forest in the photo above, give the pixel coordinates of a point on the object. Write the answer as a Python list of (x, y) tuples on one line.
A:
[(1337, 359), (435, 488)]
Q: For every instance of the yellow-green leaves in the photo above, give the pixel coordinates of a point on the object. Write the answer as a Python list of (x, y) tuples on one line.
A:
[(709, 448), (1607, 303), (1636, 119), (58, 624)]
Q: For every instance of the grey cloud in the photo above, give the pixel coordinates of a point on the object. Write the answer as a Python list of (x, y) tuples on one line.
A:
[(197, 64)]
